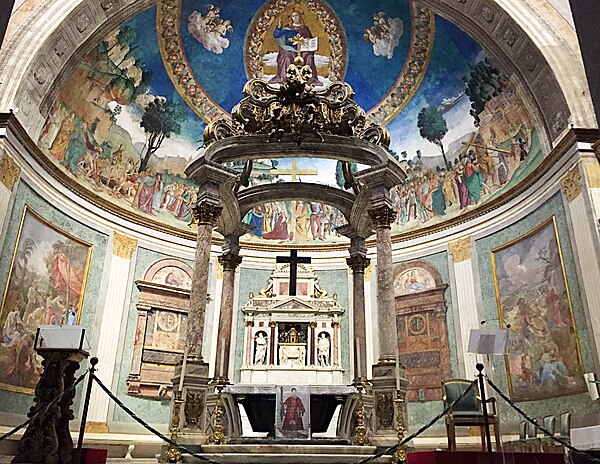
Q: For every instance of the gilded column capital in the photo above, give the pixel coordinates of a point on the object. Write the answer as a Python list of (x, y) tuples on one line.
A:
[(123, 246), (571, 184), (312, 324), (249, 322), (358, 263), (382, 216), (229, 261), (9, 171), (272, 324), (207, 213), (461, 249)]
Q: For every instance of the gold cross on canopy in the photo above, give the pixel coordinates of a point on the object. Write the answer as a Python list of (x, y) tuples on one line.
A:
[(294, 172)]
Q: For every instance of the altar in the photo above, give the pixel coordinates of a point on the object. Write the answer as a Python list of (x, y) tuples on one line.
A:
[(292, 339)]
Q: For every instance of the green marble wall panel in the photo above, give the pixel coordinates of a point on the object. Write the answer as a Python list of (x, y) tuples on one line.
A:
[(19, 403), (579, 404), (151, 410)]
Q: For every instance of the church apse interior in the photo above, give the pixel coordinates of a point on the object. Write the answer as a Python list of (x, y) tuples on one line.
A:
[(284, 223)]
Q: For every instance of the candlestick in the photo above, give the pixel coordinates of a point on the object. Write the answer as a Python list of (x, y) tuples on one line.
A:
[(183, 367)]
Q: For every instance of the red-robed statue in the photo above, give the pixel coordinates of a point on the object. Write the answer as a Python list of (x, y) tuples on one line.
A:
[(293, 410), (288, 50)]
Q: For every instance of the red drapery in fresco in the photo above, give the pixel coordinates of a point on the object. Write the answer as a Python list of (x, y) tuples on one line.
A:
[(65, 276)]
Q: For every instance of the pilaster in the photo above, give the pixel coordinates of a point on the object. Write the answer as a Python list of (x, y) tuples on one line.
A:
[(123, 248)]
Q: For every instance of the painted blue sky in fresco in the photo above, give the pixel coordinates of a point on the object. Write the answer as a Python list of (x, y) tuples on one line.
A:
[(223, 75)]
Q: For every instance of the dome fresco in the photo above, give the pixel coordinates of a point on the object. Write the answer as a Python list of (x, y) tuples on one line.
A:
[(131, 116)]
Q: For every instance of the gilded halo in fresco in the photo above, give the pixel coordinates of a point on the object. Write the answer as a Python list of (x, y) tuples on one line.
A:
[(131, 116)]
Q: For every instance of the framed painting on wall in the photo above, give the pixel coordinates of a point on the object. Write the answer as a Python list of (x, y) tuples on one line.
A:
[(46, 284), (543, 358)]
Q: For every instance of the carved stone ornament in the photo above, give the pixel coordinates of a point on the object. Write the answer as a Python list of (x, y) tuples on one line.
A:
[(382, 216), (358, 263), (82, 23), (60, 47), (123, 246), (461, 249), (571, 184), (193, 408), (9, 171), (385, 411), (230, 261), (297, 108), (207, 213), (487, 14)]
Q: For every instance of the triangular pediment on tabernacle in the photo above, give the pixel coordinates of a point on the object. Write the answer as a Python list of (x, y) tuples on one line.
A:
[(293, 303)]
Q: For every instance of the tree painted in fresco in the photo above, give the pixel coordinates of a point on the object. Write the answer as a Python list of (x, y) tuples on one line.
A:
[(432, 126), (484, 82), (161, 119)]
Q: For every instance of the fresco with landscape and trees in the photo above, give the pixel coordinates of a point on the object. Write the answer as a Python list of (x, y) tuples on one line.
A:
[(46, 285), (131, 116)]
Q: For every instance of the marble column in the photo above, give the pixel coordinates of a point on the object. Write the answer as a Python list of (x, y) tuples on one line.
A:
[(466, 301), (313, 345), (230, 259), (206, 214), (358, 262), (335, 325), (272, 342), (382, 218), (249, 341), (115, 303)]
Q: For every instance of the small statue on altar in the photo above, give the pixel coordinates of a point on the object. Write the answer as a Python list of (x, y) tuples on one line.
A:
[(260, 353), (323, 346)]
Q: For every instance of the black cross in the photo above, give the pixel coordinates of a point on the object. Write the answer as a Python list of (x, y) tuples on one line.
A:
[(293, 261)]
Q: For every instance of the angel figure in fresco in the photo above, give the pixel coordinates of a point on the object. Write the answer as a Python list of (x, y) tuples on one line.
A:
[(210, 29), (283, 35), (384, 34)]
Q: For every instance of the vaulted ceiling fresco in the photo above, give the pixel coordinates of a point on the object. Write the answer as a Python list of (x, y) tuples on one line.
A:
[(132, 114)]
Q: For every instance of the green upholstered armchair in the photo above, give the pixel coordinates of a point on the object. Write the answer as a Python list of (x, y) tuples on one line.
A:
[(468, 411)]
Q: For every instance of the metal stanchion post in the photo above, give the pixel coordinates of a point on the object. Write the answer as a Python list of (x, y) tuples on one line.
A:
[(486, 422), (86, 404)]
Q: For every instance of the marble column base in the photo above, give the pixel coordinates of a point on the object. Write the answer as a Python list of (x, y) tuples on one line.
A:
[(191, 415), (381, 403)]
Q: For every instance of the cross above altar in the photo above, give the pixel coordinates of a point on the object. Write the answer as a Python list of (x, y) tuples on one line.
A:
[(294, 172), (293, 261)]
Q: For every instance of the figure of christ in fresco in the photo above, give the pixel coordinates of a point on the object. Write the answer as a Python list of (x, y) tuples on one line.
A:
[(293, 410), (288, 51)]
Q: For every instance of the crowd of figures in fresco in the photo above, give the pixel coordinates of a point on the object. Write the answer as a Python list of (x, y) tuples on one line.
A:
[(295, 221)]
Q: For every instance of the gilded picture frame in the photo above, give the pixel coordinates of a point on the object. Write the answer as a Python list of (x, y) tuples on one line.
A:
[(543, 356), (46, 284)]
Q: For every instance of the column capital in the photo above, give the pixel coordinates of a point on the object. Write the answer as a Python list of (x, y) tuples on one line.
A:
[(229, 261), (272, 324), (9, 171), (249, 322), (571, 184), (461, 249), (312, 324), (123, 246), (207, 213), (382, 216), (358, 263)]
